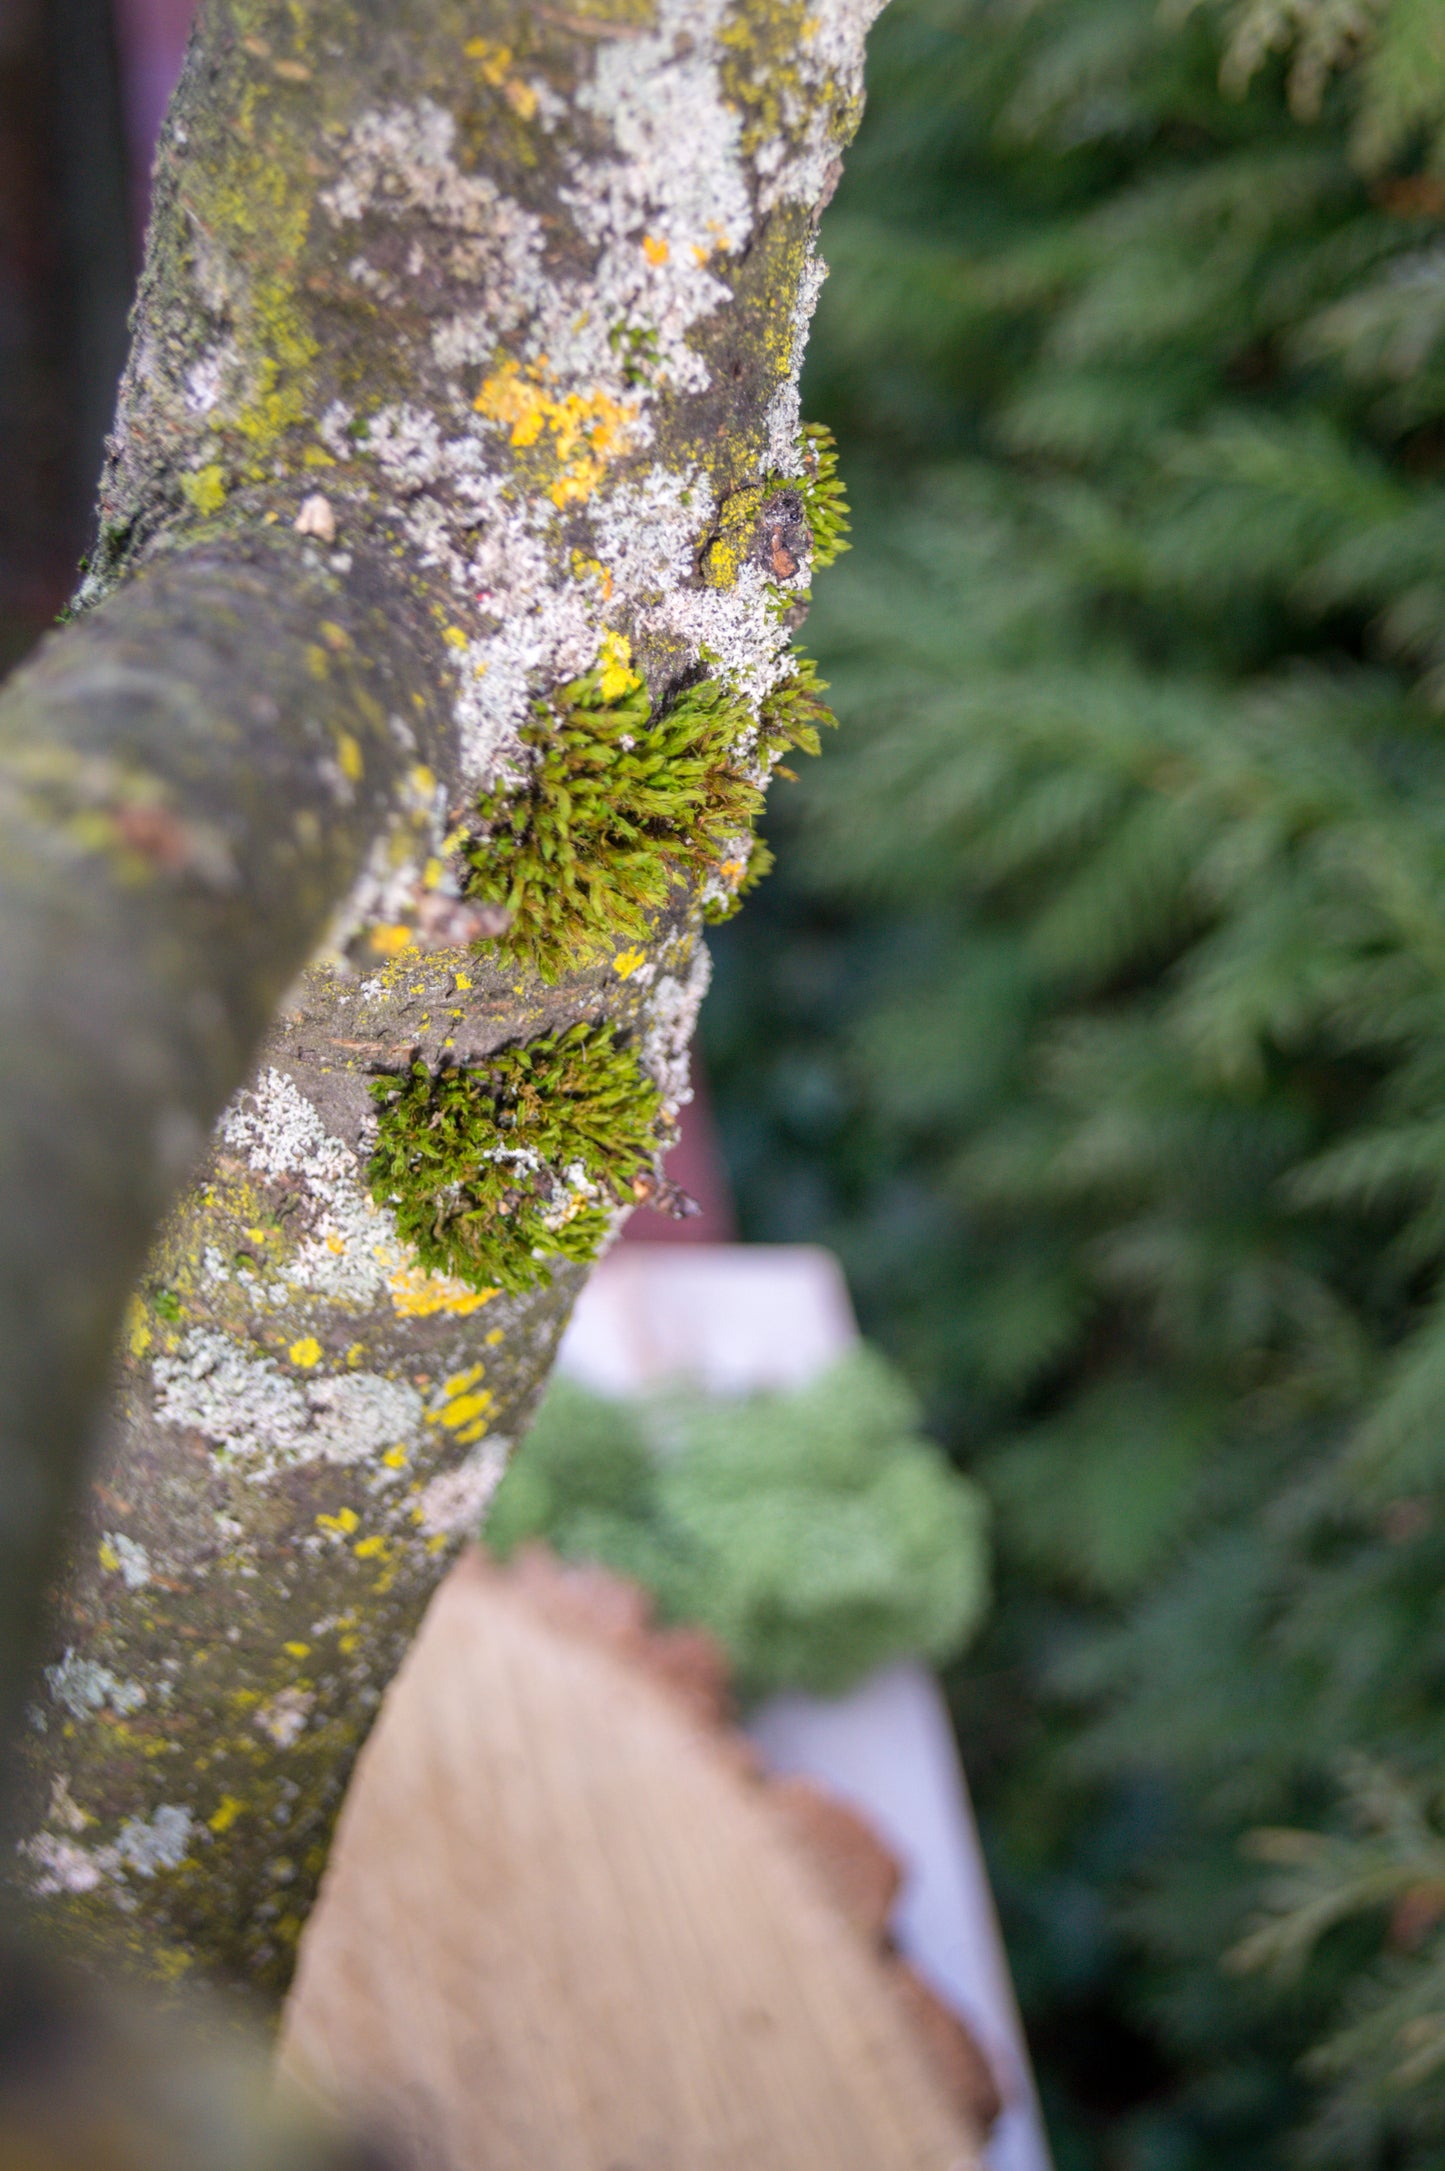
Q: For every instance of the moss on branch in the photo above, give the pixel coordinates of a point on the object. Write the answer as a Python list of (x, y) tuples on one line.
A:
[(480, 321), (496, 1170), (623, 805)]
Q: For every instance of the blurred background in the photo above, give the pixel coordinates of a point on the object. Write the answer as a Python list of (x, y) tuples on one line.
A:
[(1095, 1016)]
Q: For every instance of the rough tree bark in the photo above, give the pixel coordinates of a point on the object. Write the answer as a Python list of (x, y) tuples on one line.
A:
[(457, 518)]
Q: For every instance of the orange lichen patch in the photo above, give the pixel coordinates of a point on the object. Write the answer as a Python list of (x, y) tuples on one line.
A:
[(583, 431), (419, 1295), (655, 249)]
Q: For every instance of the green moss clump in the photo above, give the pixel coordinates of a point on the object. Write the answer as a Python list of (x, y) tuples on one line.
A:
[(825, 503), (492, 1170), (620, 805), (789, 718)]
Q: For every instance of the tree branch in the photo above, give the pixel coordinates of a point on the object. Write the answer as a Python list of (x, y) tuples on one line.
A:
[(509, 302)]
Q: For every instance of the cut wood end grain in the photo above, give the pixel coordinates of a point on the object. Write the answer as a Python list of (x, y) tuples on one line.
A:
[(565, 1928)]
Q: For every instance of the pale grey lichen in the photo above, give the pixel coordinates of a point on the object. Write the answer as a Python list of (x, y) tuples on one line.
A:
[(264, 1420), (283, 1717), (83, 1686), (132, 1561), (454, 1504), (159, 1841), (670, 1017), (351, 1250), (61, 1865)]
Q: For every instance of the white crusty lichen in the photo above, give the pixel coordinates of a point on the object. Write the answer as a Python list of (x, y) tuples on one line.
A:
[(454, 1504), (670, 1017), (264, 1420), (159, 1841), (56, 1863), (127, 1558), (580, 351), (350, 1251)]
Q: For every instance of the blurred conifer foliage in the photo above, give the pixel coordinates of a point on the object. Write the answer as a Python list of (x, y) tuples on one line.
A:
[(1127, 883)]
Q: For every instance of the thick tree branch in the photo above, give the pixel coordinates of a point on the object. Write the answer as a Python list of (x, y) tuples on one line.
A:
[(508, 301)]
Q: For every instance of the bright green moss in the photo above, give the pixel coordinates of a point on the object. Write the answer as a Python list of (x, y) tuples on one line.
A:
[(790, 717), (622, 804), (493, 1170), (825, 504)]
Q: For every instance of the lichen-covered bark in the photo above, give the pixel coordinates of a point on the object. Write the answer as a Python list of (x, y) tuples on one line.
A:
[(487, 318), (186, 781)]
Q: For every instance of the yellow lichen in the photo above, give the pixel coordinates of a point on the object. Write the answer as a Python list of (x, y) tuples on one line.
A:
[(582, 432), (737, 525), (495, 59), (205, 488), (615, 675), (461, 1381), (305, 1352), (138, 1333), (418, 1295), (464, 1410)]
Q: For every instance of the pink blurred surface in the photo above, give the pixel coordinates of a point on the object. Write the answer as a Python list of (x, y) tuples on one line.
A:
[(151, 35)]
